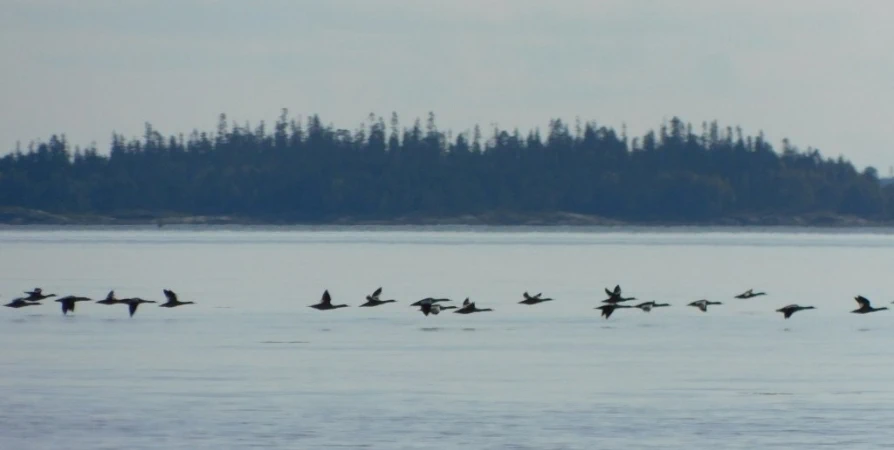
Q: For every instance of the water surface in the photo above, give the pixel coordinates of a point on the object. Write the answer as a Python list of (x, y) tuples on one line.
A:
[(251, 366)]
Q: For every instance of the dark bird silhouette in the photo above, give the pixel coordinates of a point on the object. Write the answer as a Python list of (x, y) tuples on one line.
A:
[(647, 306), (608, 309), (469, 308), (614, 293), (865, 306), (36, 295), (750, 294), (110, 299), (374, 300), (615, 297), (68, 302), (20, 302), (326, 303), (430, 300), (172, 300), (533, 300), (433, 308), (788, 310), (134, 303), (703, 304)]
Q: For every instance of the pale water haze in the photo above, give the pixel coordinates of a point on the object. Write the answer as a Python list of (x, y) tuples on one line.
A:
[(816, 71), (251, 366)]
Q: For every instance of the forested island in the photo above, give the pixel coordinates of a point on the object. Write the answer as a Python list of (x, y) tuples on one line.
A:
[(305, 171)]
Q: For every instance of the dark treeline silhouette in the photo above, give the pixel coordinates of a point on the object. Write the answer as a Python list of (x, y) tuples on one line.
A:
[(308, 171)]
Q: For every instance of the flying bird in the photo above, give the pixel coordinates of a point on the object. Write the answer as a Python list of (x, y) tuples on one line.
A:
[(647, 306), (533, 299), (703, 304), (68, 302), (865, 306), (134, 303), (19, 303), (615, 297), (614, 293), (326, 303), (172, 300), (36, 295), (374, 300), (429, 307), (110, 299), (430, 300), (788, 310), (750, 294), (469, 308)]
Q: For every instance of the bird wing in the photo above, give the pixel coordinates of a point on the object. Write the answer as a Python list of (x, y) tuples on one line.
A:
[(132, 307), (327, 299), (377, 292), (527, 297), (862, 301), (466, 302), (171, 296)]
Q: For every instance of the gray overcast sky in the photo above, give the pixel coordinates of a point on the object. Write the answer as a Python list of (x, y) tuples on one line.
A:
[(819, 72)]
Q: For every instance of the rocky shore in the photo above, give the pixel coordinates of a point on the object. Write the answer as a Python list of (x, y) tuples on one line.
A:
[(22, 216)]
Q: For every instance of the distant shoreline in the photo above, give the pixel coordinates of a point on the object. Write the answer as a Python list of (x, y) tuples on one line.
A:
[(26, 217)]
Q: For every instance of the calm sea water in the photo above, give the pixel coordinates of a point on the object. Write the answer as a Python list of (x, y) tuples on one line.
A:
[(251, 366)]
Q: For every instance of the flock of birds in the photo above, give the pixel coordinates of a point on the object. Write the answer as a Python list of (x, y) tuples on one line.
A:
[(427, 305), (68, 302), (614, 301)]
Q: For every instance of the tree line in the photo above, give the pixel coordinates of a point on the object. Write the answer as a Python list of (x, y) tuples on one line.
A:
[(305, 170)]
